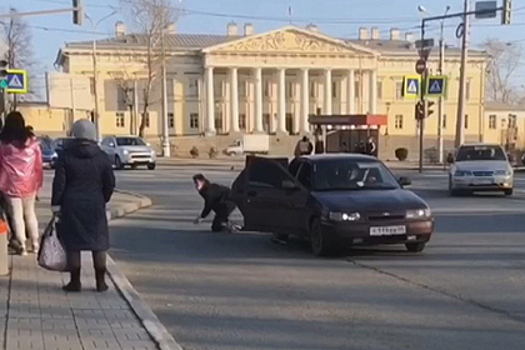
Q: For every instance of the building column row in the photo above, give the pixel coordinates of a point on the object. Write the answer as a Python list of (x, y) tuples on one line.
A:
[(281, 115)]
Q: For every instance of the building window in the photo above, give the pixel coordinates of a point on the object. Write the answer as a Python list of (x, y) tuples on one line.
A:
[(313, 89), (444, 121), (242, 121), (194, 120), (467, 90), (266, 122), (379, 90), (512, 121), (218, 89), (171, 120), (146, 119), (289, 122), (193, 87), (335, 92), (218, 120), (492, 121), (243, 88), (357, 90), (290, 89), (503, 123), (466, 121), (120, 120), (399, 90), (267, 89), (399, 121), (121, 99)]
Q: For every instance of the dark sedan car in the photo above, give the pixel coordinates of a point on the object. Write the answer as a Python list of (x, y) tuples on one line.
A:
[(332, 200)]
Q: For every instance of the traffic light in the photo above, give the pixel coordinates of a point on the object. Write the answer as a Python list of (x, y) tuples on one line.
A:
[(78, 12), (507, 12), (429, 111), (420, 110), (4, 66)]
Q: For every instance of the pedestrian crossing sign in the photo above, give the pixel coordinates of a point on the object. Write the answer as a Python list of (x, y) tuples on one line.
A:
[(436, 86), (16, 81), (412, 86)]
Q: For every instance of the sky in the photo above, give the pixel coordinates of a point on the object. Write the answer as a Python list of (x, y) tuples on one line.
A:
[(339, 18)]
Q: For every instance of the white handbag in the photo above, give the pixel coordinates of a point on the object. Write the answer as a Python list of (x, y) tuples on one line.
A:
[(52, 255)]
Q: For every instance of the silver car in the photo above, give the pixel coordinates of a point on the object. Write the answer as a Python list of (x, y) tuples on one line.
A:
[(481, 167), (129, 150)]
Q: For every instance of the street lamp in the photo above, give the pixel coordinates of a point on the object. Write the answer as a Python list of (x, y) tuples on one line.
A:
[(95, 71)]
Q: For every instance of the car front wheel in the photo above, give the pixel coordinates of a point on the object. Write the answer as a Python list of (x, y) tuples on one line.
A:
[(509, 192), (415, 247), (319, 243), (118, 163), (152, 166)]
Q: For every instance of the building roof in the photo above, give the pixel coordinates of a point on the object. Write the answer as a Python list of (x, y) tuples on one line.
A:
[(503, 107)]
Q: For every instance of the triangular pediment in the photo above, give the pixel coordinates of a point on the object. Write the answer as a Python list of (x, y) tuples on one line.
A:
[(290, 40)]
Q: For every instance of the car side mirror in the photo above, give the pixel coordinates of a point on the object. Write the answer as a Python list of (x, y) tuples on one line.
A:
[(289, 185), (404, 181)]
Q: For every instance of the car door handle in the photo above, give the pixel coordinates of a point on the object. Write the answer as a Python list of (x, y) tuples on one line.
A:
[(252, 193)]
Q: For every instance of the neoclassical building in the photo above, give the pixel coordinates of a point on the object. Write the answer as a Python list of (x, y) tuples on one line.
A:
[(221, 86)]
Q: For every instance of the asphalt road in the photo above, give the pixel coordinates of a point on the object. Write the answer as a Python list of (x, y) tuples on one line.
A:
[(240, 291)]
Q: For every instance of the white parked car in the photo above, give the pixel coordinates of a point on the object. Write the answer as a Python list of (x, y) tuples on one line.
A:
[(481, 167), (129, 150)]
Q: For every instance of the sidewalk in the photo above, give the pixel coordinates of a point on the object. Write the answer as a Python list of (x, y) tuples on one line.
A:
[(36, 314)]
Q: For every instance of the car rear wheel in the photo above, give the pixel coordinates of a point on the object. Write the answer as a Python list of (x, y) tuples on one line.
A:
[(415, 247), (118, 163), (319, 243), (152, 166), (509, 192)]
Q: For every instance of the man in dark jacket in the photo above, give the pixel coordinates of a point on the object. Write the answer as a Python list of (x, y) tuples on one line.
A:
[(217, 198), (304, 147)]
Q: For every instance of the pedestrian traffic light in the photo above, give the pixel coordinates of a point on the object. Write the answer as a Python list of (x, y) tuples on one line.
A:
[(3, 69), (507, 12), (429, 105), (420, 110), (78, 12)]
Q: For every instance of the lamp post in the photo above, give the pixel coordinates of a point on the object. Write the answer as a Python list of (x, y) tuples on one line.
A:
[(95, 71)]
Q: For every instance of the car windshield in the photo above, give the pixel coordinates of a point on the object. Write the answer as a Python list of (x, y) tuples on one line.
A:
[(339, 175), (130, 141), (471, 153), (46, 143)]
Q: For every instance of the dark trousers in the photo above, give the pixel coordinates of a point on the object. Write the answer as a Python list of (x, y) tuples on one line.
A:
[(74, 260), (222, 213)]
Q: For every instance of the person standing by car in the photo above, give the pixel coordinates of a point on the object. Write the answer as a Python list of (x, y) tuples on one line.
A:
[(83, 184), (217, 198), (304, 147), (371, 147), (21, 178)]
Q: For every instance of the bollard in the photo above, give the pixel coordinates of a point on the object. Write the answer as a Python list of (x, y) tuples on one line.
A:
[(4, 261)]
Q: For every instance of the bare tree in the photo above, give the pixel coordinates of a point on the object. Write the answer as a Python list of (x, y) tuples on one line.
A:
[(126, 81), (18, 38), (150, 19), (504, 60)]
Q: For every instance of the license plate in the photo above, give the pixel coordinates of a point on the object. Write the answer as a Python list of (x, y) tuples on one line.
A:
[(483, 181), (388, 230)]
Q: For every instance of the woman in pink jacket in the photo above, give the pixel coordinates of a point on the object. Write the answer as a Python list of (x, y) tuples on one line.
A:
[(21, 177)]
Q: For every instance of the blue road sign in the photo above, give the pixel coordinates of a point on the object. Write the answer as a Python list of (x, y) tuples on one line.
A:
[(412, 86), (436, 86), (17, 81)]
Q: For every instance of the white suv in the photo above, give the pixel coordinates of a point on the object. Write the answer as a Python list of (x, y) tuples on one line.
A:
[(481, 167), (129, 150)]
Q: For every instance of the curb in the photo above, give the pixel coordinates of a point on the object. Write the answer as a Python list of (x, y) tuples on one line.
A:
[(156, 330)]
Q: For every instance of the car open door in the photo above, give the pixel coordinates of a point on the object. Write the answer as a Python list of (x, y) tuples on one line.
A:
[(265, 182)]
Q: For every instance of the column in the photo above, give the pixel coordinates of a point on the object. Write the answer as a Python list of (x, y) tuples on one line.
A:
[(234, 101), (350, 92), (210, 102), (281, 114), (258, 125), (327, 92), (305, 102), (372, 99)]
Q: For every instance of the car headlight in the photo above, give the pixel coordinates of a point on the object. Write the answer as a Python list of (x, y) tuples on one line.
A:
[(54, 156), (503, 172), (338, 216), (125, 152), (460, 173), (418, 214)]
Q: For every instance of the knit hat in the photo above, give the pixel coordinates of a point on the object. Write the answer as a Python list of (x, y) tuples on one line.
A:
[(85, 130)]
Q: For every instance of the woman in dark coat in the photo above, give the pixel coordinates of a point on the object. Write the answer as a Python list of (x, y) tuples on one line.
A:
[(83, 184)]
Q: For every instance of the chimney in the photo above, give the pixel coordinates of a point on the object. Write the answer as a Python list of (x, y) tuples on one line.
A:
[(172, 28), (376, 35), (409, 37), (232, 29), (395, 34), (120, 29), (248, 29), (363, 34), (312, 27)]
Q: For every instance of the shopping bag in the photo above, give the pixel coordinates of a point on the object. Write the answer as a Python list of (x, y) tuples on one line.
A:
[(52, 255)]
